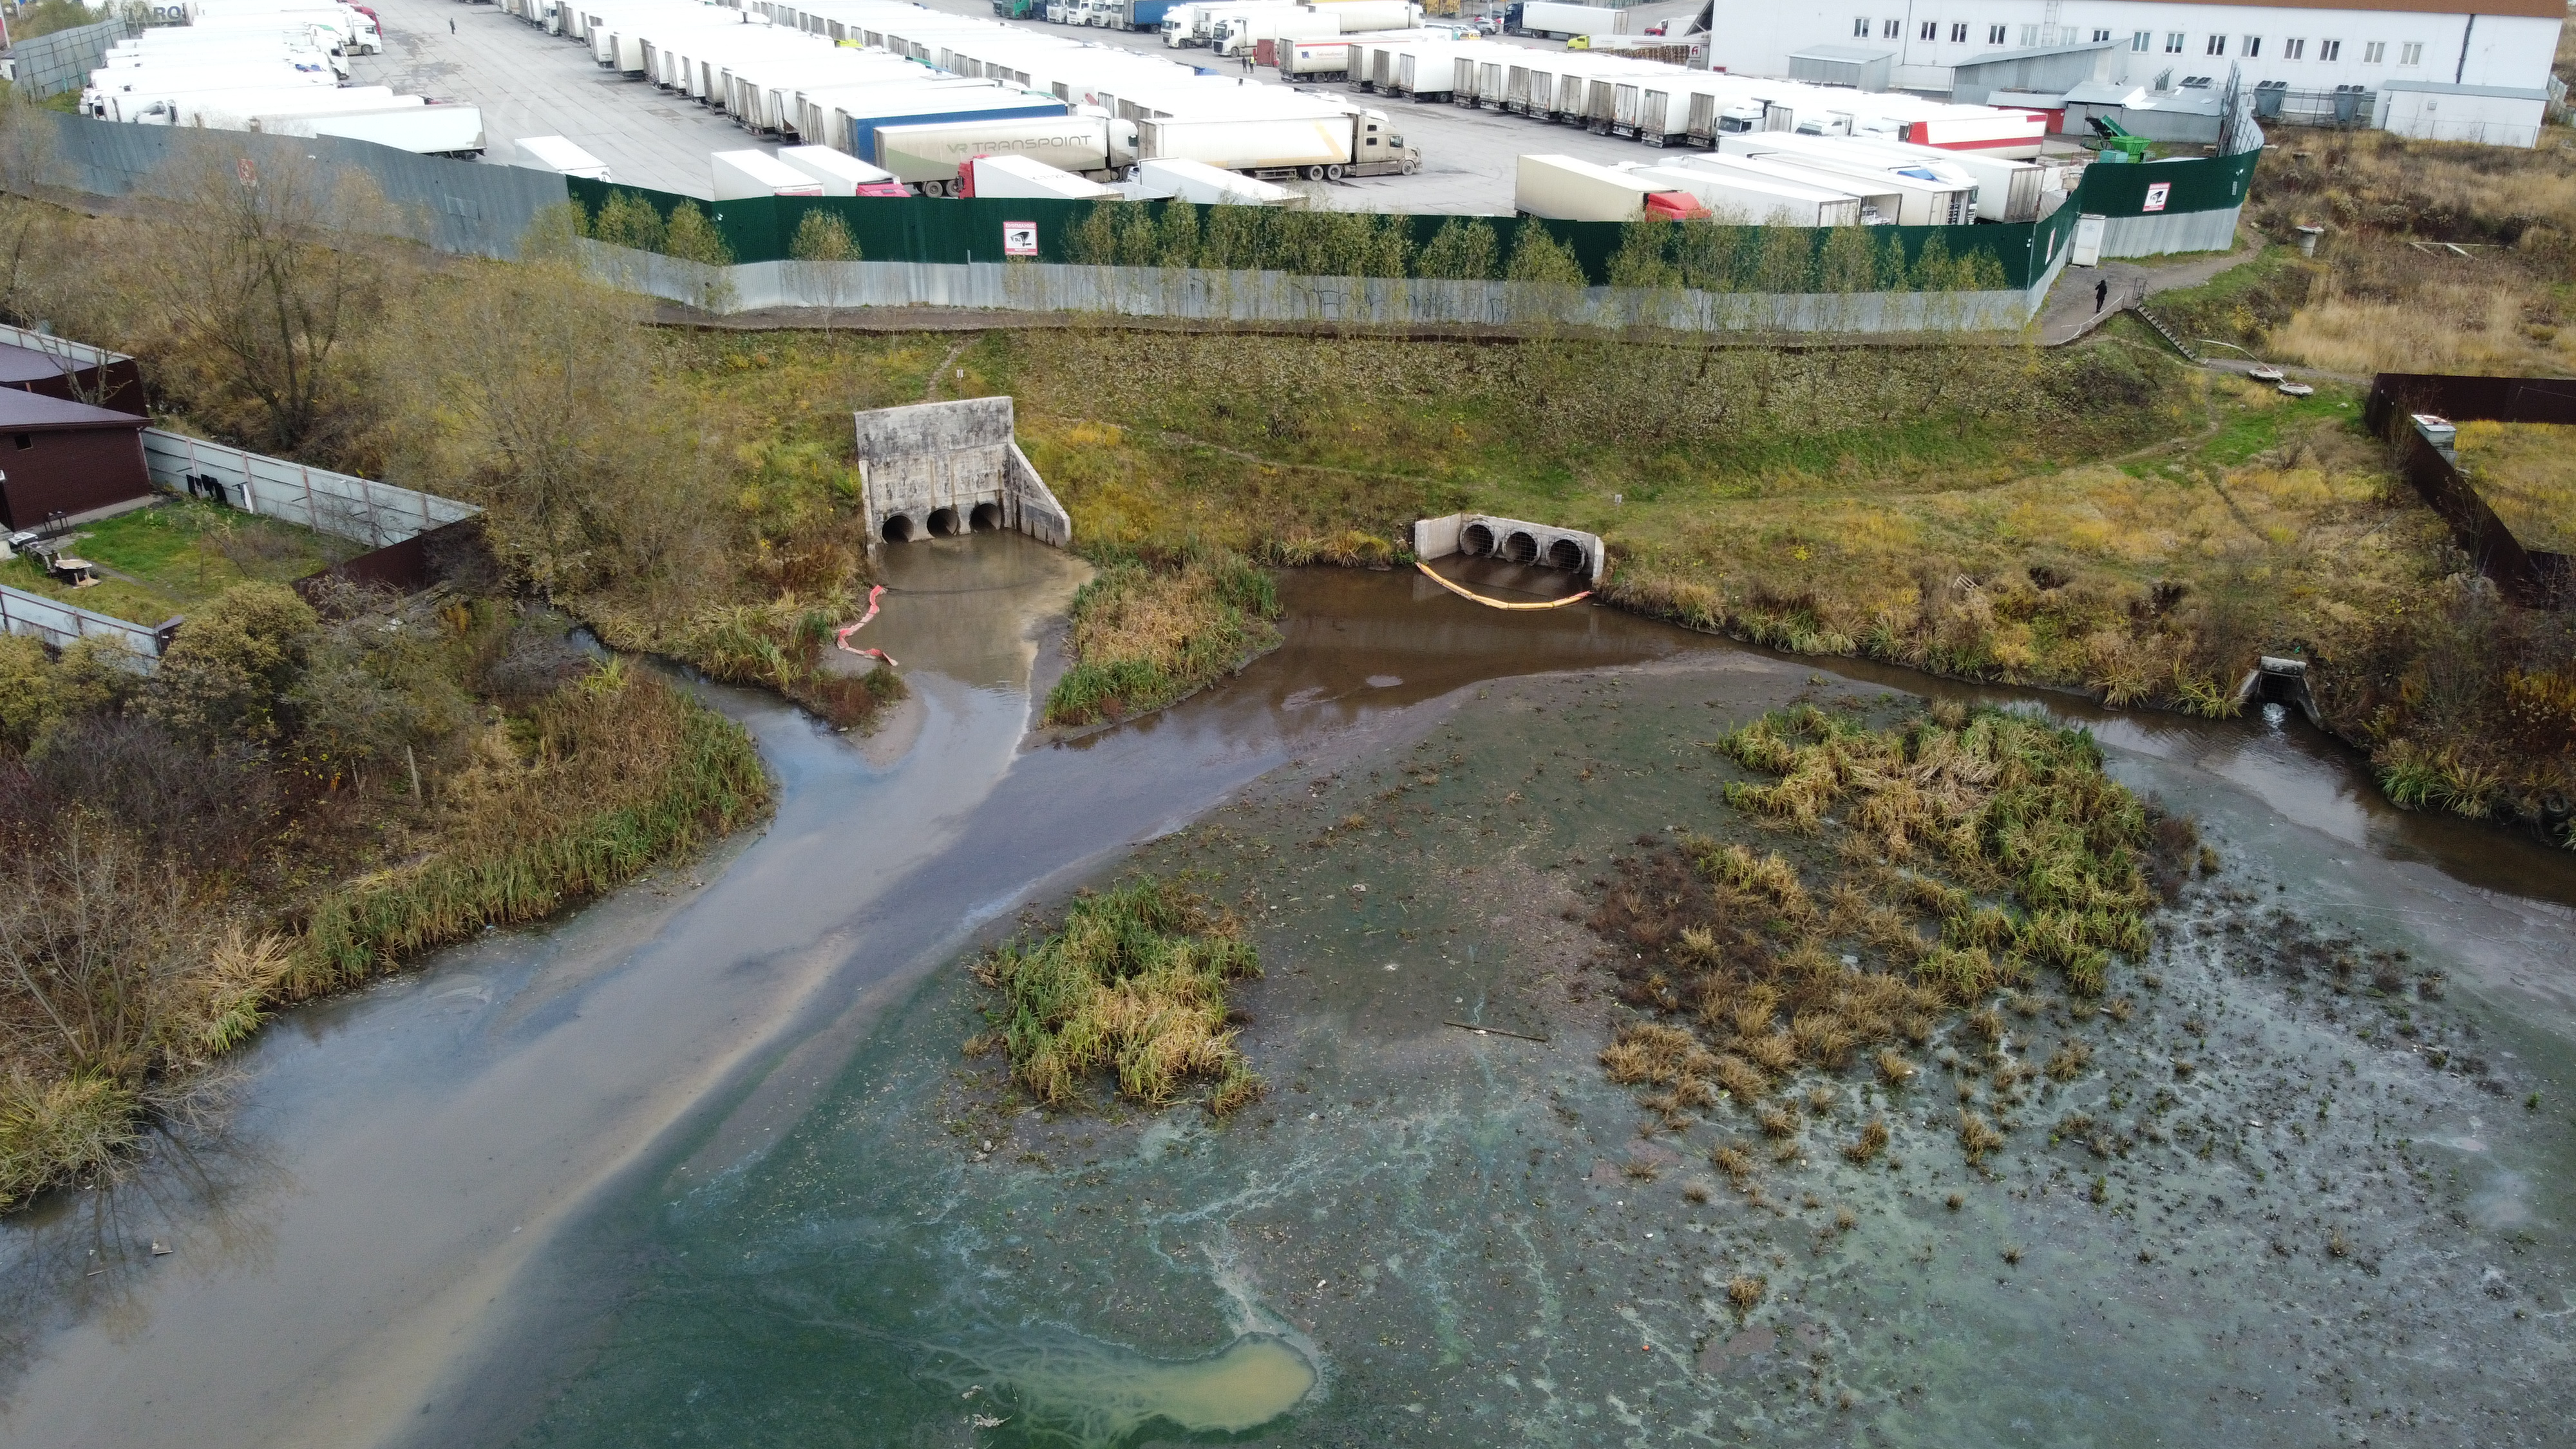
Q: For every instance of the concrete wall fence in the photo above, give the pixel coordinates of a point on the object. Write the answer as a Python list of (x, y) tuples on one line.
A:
[(940, 253)]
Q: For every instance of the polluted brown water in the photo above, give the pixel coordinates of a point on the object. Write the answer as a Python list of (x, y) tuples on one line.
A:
[(2311, 1186)]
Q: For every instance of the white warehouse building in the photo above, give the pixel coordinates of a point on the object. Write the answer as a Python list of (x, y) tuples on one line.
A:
[(2448, 69)]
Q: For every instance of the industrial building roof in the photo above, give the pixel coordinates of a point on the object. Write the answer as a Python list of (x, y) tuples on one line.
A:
[(27, 412)]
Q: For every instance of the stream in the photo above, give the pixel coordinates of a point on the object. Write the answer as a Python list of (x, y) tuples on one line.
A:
[(702, 1163)]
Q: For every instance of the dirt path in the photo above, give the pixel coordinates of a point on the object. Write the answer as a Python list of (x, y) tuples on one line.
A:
[(2072, 311)]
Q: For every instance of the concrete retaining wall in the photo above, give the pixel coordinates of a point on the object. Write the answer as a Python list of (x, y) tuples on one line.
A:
[(935, 469)]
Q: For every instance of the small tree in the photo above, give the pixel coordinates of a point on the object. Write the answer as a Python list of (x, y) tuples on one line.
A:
[(817, 258), (271, 281), (1464, 249), (690, 236), (628, 220), (1544, 274)]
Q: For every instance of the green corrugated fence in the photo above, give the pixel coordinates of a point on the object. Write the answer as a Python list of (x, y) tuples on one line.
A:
[(1333, 243)]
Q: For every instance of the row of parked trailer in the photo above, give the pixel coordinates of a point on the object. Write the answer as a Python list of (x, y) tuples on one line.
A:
[(917, 93), (1781, 178), (1663, 105), (279, 66)]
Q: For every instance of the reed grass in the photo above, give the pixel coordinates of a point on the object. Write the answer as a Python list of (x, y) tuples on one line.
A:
[(619, 773), (1132, 984), (1144, 634), (1999, 834)]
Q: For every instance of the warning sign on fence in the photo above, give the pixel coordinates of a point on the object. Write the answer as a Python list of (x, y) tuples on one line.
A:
[(1019, 238), (2156, 195)]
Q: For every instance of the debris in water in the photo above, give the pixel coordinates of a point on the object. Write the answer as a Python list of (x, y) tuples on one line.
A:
[(841, 636)]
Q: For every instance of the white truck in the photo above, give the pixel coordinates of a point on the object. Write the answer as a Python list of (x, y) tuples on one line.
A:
[(930, 156), (446, 129), (554, 153), (1019, 176), (1562, 188), (1318, 147), (1563, 22)]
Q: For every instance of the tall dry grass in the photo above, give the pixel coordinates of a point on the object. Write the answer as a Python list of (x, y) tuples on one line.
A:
[(602, 780), (1145, 633), (2439, 257)]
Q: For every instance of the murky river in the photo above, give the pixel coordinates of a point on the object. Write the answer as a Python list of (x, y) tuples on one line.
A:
[(702, 1164)]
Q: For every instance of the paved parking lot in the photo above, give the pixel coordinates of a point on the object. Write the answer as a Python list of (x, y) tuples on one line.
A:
[(533, 84)]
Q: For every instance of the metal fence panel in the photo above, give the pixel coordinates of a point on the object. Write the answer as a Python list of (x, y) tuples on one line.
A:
[(340, 504), (1277, 297), (51, 64), (61, 624), (455, 206)]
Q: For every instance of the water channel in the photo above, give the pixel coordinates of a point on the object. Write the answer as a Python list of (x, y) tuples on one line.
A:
[(702, 1163)]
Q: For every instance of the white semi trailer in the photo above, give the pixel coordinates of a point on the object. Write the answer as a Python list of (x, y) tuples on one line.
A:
[(1019, 176), (741, 175), (1739, 198), (554, 153), (930, 156), (1562, 188), (1321, 147), (1924, 196), (129, 100), (240, 110), (1207, 185), (841, 173), (440, 130)]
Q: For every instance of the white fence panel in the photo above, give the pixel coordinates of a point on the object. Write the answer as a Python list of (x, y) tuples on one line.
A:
[(339, 504), (61, 624)]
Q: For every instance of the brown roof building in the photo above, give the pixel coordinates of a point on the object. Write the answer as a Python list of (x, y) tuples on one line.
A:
[(59, 457), (114, 383)]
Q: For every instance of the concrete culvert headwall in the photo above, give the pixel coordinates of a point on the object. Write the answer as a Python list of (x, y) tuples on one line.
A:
[(941, 469), (1514, 540)]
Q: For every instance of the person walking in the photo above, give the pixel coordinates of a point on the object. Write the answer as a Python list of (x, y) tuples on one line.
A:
[(2101, 293), (1247, 61)]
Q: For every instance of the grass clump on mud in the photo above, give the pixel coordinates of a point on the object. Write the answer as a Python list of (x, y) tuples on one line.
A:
[(1941, 860), (1134, 983), (1143, 636)]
